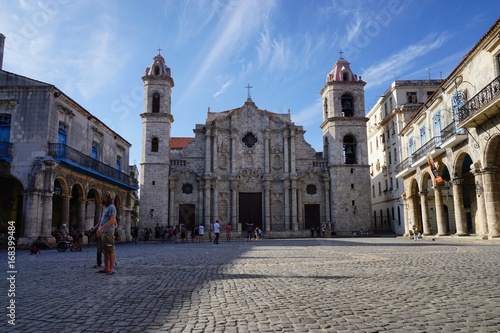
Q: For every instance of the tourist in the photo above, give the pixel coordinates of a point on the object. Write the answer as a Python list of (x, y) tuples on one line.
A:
[(216, 232)]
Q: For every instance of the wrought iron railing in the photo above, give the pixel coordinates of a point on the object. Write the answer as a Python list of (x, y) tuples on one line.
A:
[(62, 151), (482, 98), (451, 130), (433, 143), (404, 165), (5, 149)]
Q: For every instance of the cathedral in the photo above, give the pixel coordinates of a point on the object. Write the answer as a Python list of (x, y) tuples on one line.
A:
[(248, 164)]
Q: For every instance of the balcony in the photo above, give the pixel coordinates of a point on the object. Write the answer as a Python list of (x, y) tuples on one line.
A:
[(483, 106), (404, 168), (6, 151), (451, 135), (75, 160), (433, 146)]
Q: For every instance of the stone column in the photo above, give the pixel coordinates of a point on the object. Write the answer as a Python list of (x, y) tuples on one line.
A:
[(440, 216), (286, 184), (47, 200), (233, 205), (286, 164), (80, 223), (215, 203), (426, 223), (267, 205), (199, 208), (406, 216), (458, 203), (32, 223), (300, 208), (208, 155), (293, 169), (171, 210), (326, 204), (215, 149), (295, 225), (207, 203), (267, 167), (481, 218), (491, 198), (65, 210)]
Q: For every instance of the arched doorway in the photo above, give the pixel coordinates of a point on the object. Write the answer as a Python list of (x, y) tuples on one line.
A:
[(11, 206)]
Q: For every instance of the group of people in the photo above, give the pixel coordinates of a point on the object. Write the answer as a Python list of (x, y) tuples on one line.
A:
[(180, 234), (253, 232)]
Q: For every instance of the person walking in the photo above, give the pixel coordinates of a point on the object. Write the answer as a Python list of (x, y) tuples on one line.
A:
[(228, 232), (249, 226), (216, 232), (201, 232), (106, 234)]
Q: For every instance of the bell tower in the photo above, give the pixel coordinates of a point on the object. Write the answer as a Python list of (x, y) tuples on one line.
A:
[(156, 124), (345, 148)]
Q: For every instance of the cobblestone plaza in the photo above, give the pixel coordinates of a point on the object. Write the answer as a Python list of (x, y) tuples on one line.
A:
[(294, 285)]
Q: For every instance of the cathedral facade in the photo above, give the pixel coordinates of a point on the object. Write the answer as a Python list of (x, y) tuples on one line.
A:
[(252, 165)]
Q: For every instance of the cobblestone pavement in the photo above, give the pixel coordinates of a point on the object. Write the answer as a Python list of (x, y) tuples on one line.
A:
[(302, 285)]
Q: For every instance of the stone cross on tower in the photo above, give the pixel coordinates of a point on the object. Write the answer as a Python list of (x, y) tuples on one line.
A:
[(159, 50), (249, 87), (341, 53)]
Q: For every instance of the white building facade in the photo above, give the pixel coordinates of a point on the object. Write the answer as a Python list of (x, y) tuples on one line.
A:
[(387, 118), (458, 132)]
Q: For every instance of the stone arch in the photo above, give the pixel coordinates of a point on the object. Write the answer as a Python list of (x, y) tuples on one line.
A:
[(77, 207), (11, 205), (463, 175), (492, 152), (349, 149), (92, 208), (347, 105), (414, 205)]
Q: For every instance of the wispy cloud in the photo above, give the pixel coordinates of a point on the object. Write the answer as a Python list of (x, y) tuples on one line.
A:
[(401, 62), (309, 115), (223, 88), (273, 52), (238, 21)]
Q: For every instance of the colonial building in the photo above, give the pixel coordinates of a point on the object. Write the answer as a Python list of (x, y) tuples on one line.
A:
[(451, 164), (387, 118), (250, 164), (56, 161)]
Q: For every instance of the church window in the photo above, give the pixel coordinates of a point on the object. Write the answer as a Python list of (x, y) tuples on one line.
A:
[(347, 106), (345, 76), (311, 189), (325, 107), (187, 188), (349, 150), (249, 140), (154, 145), (156, 103), (157, 70)]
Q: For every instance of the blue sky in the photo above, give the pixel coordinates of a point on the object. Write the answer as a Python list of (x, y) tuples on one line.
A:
[(97, 51)]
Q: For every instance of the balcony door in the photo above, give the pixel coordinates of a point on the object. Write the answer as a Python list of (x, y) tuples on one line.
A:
[(5, 128)]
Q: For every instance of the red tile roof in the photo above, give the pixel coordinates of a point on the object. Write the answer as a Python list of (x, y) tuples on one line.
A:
[(180, 143)]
